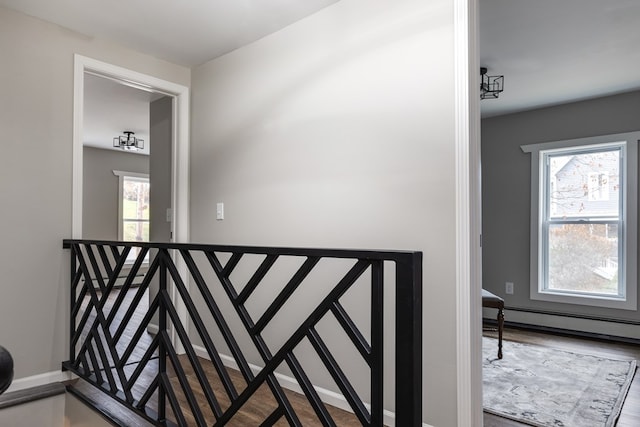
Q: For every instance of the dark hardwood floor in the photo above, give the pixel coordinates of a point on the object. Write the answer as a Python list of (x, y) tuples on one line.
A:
[(630, 416), (253, 413)]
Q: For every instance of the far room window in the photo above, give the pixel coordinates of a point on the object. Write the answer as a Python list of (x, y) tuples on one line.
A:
[(133, 209), (583, 231)]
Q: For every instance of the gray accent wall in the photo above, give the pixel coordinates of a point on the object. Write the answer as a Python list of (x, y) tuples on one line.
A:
[(100, 189), (338, 131), (36, 118), (160, 132), (506, 193)]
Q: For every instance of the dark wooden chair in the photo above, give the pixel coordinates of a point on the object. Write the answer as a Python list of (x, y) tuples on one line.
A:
[(493, 301)]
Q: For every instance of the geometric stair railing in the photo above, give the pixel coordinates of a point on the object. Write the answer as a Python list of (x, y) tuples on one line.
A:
[(156, 326)]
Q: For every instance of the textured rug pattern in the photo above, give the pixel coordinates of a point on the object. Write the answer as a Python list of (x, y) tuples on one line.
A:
[(542, 386)]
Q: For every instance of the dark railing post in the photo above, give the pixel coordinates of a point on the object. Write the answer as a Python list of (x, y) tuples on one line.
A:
[(377, 347), (73, 290), (162, 332), (409, 340)]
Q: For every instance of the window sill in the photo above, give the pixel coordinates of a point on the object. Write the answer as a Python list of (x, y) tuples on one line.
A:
[(583, 299)]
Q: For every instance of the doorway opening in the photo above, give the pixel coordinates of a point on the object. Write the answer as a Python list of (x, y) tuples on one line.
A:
[(175, 158), (179, 139)]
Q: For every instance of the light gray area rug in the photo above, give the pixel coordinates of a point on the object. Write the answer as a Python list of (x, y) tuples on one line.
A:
[(542, 386)]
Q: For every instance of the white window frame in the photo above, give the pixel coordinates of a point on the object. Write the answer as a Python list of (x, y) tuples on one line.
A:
[(629, 177), (121, 177)]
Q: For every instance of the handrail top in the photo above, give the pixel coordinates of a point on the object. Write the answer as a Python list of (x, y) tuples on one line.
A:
[(390, 255)]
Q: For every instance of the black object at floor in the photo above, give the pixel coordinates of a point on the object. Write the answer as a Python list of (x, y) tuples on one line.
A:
[(6, 369)]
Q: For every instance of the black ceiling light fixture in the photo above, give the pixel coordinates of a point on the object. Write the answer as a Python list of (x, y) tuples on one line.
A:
[(128, 141), (490, 86)]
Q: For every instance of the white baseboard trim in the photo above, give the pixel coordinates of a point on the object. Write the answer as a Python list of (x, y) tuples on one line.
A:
[(40, 379), (569, 323), (327, 396)]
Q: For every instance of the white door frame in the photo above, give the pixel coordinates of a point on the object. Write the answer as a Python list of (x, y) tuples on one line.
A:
[(180, 138), (179, 143), (468, 214)]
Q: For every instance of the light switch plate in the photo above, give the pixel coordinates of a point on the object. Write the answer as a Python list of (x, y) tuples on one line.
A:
[(219, 211)]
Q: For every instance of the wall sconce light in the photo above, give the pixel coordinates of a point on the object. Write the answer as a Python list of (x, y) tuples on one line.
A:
[(128, 141), (490, 86)]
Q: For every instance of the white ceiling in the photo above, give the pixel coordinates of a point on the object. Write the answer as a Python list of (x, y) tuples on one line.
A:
[(550, 51), (183, 32), (110, 108), (557, 51)]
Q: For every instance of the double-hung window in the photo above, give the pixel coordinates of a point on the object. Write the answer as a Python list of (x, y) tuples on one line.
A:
[(583, 221), (133, 209)]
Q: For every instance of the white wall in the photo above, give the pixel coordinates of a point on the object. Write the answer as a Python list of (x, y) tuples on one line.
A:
[(36, 119), (338, 131)]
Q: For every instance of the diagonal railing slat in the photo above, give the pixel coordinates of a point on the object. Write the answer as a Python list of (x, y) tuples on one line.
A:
[(106, 263), (97, 370), (273, 418), (231, 264), (352, 331), (153, 387), (257, 277), (193, 358), (94, 265), (339, 377), (142, 364), (309, 390), (285, 294), (222, 324), (142, 328), (184, 382), (218, 317), (165, 386), (142, 343)]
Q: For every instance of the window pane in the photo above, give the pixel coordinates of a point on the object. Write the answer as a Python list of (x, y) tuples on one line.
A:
[(136, 231), (135, 203), (584, 185), (583, 258)]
